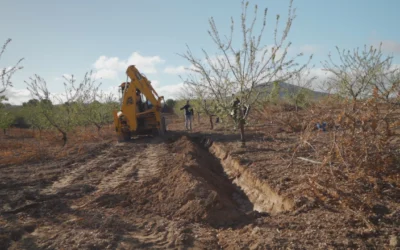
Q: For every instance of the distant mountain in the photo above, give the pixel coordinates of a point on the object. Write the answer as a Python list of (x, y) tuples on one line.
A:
[(285, 88)]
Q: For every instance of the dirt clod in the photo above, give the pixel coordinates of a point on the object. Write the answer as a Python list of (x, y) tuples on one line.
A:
[(181, 192), (394, 241)]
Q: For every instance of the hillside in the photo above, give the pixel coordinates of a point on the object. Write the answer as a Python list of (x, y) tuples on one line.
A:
[(288, 88)]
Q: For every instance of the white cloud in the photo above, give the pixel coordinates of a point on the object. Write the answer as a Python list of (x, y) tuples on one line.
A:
[(111, 67), (170, 91), (321, 78), (175, 70), (106, 74), (278, 54), (155, 83), (112, 90), (145, 64), (17, 96), (391, 46), (109, 63), (396, 66), (68, 76), (165, 90)]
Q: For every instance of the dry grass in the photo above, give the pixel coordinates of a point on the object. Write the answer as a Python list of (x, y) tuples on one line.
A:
[(20, 146), (357, 159), (333, 202)]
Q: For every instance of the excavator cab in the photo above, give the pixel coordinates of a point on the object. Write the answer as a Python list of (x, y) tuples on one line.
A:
[(140, 112)]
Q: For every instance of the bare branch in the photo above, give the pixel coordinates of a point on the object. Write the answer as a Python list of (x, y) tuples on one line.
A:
[(360, 71), (242, 70), (7, 73)]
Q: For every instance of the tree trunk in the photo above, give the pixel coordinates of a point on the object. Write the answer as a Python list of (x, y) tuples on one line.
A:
[(4, 131), (354, 104), (64, 138), (242, 120), (64, 135), (211, 123), (98, 127), (242, 138)]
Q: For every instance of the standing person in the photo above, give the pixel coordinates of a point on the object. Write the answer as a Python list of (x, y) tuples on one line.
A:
[(235, 110), (235, 106), (188, 116), (192, 114)]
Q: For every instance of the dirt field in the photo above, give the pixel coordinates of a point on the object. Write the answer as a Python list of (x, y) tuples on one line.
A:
[(194, 190)]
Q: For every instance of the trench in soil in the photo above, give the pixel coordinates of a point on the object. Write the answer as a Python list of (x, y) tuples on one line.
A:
[(252, 194)]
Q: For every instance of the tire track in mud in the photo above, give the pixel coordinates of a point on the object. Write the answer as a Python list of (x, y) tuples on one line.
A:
[(154, 234), (144, 168), (142, 163), (123, 164), (78, 174), (158, 233), (179, 183), (139, 168), (110, 168), (149, 166)]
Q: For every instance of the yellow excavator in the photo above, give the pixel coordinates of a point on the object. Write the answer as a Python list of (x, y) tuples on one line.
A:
[(140, 112)]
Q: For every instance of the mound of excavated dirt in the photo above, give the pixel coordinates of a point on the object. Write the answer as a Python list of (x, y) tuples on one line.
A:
[(173, 192), (192, 186)]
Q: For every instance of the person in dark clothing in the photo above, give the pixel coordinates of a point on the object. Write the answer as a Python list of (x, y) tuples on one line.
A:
[(188, 116), (191, 114), (321, 126), (139, 100), (235, 107), (236, 103)]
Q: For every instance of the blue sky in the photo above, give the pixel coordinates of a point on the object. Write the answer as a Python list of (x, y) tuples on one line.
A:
[(72, 37)]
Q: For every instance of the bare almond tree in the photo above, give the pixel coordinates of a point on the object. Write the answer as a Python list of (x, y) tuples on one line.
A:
[(387, 80), (240, 69), (96, 108), (358, 72), (203, 102), (6, 118), (62, 111), (7, 72)]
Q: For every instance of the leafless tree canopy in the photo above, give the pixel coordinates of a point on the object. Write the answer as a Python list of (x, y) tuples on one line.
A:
[(7, 72), (360, 71), (238, 70), (85, 91), (65, 116)]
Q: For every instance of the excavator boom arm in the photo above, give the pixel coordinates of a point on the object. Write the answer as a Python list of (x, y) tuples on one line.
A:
[(143, 85), (135, 116)]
